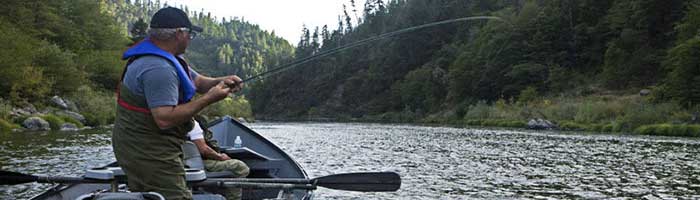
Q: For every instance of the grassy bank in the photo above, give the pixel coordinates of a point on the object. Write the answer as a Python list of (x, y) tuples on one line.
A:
[(600, 113)]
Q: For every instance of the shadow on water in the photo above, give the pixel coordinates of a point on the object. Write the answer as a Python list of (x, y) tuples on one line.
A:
[(434, 162)]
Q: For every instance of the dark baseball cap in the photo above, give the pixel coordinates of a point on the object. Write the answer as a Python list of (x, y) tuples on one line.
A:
[(171, 17)]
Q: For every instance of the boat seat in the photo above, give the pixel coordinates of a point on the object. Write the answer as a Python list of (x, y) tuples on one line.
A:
[(207, 197), (191, 156), (244, 153), (104, 173)]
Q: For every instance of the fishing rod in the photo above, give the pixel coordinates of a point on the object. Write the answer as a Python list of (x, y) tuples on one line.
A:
[(287, 66)]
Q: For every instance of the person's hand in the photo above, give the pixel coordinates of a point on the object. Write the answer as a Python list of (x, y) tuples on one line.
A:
[(218, 92), (223, 156), (234, 82)]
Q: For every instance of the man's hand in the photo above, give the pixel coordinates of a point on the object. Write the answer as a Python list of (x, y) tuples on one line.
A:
[(223, 156), (234, 82), (218, 92)]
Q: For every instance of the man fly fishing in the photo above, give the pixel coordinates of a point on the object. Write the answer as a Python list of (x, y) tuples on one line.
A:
[(156, 105)]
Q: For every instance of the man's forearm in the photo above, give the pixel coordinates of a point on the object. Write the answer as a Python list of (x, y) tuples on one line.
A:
[(205, 150), (170, 116)]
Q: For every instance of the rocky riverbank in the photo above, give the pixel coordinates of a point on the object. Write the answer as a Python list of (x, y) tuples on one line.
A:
[(60, 115)]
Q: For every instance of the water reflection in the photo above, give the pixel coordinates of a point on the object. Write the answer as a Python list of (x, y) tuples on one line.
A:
[(434, 162)]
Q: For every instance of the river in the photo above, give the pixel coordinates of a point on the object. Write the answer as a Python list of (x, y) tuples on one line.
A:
[(434, 162)]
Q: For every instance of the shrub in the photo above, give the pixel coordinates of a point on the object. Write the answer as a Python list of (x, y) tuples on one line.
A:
[(54, 121), (72, 121), (645, 130), (670, 130), (616, 127), (597, 111), (98, 107), (236, 107), (474, 122), (480, 110), (527, 95), (694, 130), (6, 126), (572, 126), (637, 114), (5, 109), (607, 128), (564, 110)]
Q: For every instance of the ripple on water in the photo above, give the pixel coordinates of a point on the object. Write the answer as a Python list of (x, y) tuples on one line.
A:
[(450, 163)]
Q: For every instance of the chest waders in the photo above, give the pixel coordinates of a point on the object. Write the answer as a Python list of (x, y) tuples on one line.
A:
[(150, 157)]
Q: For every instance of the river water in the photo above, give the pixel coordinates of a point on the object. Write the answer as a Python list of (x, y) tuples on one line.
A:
[(434, 162)]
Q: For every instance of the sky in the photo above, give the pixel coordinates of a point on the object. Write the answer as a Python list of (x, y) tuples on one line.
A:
[(285, 17)]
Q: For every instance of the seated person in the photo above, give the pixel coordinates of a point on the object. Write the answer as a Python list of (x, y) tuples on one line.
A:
[(215, 161)]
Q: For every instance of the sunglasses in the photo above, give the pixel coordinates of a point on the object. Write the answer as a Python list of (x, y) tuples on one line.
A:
[(192, 34)]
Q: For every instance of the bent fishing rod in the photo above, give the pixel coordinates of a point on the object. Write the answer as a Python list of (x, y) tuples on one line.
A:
[(290, 65)]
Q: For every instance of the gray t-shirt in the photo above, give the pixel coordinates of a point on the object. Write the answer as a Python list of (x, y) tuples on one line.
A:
[(156, 79)]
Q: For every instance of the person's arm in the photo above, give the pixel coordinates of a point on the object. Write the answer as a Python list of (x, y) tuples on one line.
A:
[(169, 116), (208, 152), (204, 83)]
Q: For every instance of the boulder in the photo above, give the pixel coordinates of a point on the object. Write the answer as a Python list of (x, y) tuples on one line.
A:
[(36, 124), (540, 124), (58, 101), (644, 92), (71, 105), (26, 111), (69, 127), (242, 120), (16, 112), (73, 115)]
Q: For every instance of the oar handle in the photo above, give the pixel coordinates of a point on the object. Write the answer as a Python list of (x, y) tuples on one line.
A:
[(14, 178), (264, 180)]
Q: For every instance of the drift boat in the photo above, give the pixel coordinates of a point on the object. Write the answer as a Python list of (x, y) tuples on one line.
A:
[(266, 161)]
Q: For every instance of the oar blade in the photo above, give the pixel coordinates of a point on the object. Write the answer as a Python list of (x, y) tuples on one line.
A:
[(14, 178), (362, 182)]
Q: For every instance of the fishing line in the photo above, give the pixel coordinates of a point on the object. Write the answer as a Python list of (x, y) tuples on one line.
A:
[(284, 67)]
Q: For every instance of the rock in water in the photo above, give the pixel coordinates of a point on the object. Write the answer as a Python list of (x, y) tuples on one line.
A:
[(36, 124), (540, 124), (69, 127), (73, 115)]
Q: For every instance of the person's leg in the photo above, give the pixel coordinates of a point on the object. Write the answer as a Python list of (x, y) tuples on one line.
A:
[(237, 167), (167, 179)]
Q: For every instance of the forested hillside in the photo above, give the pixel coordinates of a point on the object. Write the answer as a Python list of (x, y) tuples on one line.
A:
[(547, 51), (227, 45), (72, 49)]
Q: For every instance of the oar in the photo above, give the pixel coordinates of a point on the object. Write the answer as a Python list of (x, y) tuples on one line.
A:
[(362, 182), (14, 178)]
